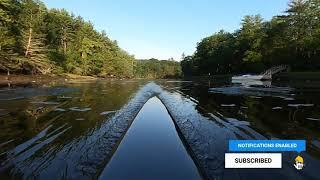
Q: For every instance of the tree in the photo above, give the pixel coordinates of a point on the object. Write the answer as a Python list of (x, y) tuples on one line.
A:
[(36, 40), (293, 39), (250, 38), (187, 66), (61, 29), (215, 54), (275, 49), (154, 68), (8, 9), (33, 39), (303, 19)]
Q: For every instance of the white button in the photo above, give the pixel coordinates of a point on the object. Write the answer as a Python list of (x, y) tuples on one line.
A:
[(253, 160)]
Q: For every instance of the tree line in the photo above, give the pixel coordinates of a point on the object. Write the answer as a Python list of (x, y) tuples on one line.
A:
[(154, 68), (37, 40), (292, 38)]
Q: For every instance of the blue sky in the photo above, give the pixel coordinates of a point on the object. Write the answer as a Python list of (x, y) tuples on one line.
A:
[(166, 28)]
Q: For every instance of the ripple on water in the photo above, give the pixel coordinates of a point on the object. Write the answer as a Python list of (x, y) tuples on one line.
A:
[(45, 102), (12, 99), (228, 105), (3, 112), (236, 122), (107, 112), (300, 105), (65, 97), (77, 109), (288, 99), (59, 110), (22, 93), (313, 119), (255, 97), (254, 92), (7, 142)]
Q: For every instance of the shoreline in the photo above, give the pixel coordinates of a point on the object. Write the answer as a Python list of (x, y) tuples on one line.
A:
[(37, 80), (21, 79)]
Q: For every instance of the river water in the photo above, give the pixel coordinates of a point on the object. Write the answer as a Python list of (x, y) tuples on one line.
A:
[(151, 149), (77, 130)]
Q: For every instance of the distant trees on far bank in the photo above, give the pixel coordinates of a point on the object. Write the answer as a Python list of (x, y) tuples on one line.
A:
[(293, 39), (154, 68)]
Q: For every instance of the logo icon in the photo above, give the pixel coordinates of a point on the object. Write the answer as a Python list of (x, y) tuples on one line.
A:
[(299, 163)]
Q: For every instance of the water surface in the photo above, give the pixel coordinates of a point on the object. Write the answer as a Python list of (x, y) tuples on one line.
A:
[(151, 149), (73, 130)]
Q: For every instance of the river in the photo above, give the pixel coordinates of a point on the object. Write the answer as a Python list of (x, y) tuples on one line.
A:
[(80, 130), (151, 149)]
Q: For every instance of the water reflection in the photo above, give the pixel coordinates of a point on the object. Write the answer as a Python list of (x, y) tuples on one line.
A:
[(72, 130), (151, 149), (268, 109), (47, 131), (252, 112)]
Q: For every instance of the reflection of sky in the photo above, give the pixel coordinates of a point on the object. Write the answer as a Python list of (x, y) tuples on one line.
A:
[(151, 143)]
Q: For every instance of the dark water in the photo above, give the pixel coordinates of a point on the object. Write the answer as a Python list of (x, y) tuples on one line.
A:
[(73, 131), (151, 149)]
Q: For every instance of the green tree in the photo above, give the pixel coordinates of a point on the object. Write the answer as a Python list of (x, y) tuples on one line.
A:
[(33, 38), (215, 54), (36, 40), (187, 66), (154, 68), (250, 38)]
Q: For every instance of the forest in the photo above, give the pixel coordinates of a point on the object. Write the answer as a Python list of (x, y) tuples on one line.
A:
[(292, 38), (38, 40), (157, 69)]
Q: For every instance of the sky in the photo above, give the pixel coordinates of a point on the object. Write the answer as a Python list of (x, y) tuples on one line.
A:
[(166, 28)]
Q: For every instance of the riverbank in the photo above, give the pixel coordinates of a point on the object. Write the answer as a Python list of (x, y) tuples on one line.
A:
[(18, 79), (21, 80)]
